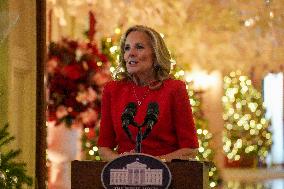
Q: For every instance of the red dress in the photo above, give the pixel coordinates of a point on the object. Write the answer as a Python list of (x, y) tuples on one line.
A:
[(174, 129)]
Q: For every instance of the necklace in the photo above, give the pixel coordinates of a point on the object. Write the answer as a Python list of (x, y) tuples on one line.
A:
[(139, 101)]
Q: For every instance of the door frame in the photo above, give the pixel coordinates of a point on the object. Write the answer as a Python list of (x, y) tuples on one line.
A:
[(41, 132)]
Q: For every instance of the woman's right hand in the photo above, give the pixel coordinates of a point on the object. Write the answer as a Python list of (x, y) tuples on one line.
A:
[(107, 154), (128, 153)]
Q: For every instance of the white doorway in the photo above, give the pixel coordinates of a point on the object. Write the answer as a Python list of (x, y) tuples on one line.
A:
[(273, 100)]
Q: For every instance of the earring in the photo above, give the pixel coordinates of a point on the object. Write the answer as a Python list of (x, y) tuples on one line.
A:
[(157, 67)]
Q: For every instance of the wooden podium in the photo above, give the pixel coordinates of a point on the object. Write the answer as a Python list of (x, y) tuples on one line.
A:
[(185, 174)]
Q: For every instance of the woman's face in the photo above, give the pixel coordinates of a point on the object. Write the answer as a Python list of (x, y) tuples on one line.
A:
[(138, 54)]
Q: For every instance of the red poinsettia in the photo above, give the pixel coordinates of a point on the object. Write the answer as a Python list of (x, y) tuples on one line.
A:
[(76, 74)]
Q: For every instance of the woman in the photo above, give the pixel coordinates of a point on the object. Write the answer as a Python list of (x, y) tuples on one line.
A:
[(143, 76)]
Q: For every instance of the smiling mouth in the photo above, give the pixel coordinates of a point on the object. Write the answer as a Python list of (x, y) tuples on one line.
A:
[(132, 62)]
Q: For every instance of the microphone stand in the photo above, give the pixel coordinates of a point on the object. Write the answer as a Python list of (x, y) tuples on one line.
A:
[(139, 140), (139, 137)]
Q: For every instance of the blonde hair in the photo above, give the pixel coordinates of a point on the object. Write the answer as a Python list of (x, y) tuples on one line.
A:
[(162, 58)]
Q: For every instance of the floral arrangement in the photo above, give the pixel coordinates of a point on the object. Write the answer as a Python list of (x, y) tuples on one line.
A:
[(77, 71)]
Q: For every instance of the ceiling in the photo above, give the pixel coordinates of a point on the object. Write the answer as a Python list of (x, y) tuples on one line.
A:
[(211, 35)]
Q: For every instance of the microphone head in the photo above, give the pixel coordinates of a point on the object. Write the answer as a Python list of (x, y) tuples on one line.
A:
[(153, 108), (131, 106), (151, 118), (127, 117), (129, 112), (152, 112)]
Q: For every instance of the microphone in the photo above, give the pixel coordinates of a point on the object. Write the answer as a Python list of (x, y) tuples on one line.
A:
[(127, 117), (151, 118)]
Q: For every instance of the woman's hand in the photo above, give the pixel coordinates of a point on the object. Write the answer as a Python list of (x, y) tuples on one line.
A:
[(107, 154), (128, 153), (183, 154)]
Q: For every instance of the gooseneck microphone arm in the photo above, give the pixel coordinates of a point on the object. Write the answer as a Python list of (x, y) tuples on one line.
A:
[(138, 140), (127, 118), (150, 120)]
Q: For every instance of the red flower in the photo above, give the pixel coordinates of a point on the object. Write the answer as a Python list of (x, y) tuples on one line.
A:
[(103, 57), (72, 71), (76, 75), (93, 65), (91, 134), (52, 64)]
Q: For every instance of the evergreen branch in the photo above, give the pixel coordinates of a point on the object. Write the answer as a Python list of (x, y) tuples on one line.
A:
[(10, 155), (6, 141), (3, 132), (4, 136)]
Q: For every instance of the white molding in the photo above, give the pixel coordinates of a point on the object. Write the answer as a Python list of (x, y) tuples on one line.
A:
[(20, 61)]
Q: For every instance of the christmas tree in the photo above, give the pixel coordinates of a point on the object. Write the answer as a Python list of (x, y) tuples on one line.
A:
[(110, 49), (205, 152), (246, 129), (12, 173)]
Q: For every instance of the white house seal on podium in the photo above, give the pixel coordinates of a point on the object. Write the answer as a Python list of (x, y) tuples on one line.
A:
[(136, 171)]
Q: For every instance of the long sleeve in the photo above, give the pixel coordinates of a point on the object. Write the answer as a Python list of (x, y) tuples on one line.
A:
[(107, 133), (183, 118)]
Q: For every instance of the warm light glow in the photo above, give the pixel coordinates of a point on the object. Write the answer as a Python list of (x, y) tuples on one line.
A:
[(88, 145), (113, 49), (229, 126), (205, 132), (108, 39), (199, 131), (201, 80), (91, 152), (181, 73), (237, 157), (246, 129), (271, 14), (249, 22), (86, 130), (173, 61), (117, 30), (95, 148), (99, 63), (111, 69)]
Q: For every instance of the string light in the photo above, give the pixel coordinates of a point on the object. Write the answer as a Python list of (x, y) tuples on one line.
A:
[(108, 39), (95, 148), (204, 135), (117, 30), (99, 63), (246, 129)]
